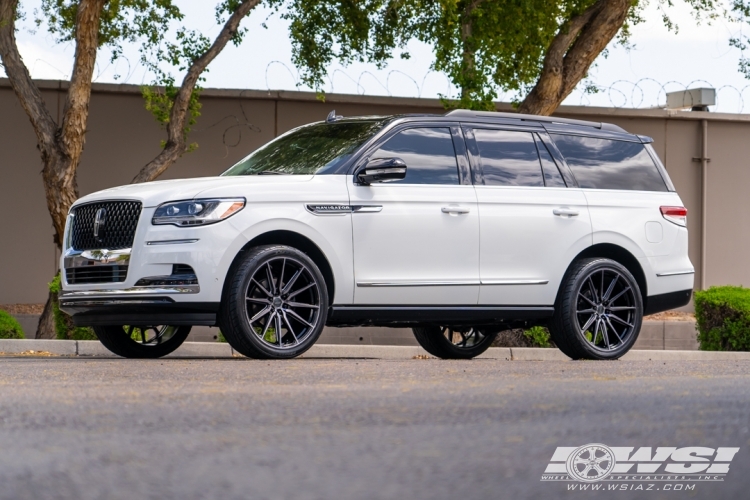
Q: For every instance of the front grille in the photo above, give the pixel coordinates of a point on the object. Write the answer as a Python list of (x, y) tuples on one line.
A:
[(118, 221), (96, 274)]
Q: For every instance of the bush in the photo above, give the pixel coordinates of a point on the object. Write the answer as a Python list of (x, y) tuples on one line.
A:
[(722, 316), (9, 327), (536, 336), (64, 327)]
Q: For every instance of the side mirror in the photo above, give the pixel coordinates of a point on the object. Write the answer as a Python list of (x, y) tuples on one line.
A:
[(382, 170)]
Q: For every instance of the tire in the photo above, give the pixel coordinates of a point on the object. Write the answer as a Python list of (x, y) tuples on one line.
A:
[(601, 295), (451, 343), (274, 288), (145, 342)]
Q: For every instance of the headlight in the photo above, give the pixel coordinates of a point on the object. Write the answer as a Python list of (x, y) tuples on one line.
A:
[(197, 212)]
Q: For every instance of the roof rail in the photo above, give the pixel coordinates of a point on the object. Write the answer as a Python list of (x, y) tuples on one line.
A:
[(533, 118)]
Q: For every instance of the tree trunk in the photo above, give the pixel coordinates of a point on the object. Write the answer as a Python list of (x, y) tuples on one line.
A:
[(60, 147), (577, 44), (46, 327)]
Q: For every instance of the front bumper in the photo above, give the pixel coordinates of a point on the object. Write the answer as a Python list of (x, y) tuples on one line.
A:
[(122, 308)]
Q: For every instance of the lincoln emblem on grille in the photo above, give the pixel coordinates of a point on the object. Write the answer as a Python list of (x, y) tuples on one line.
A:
[(99, 221)]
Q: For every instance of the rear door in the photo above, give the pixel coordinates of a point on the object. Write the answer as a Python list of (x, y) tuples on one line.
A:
[(416, 241), (532, 222)]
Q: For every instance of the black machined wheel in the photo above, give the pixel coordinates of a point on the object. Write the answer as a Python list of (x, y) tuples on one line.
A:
[(142, 341), (276, 304), (452, 342), (599, 311)]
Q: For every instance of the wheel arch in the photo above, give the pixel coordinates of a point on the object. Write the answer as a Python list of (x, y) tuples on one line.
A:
[(619, 255), (294, 240)]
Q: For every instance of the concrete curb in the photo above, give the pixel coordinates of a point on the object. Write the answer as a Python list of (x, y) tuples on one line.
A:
[(92, 348)]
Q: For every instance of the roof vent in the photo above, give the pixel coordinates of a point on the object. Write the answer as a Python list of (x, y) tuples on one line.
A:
[(693, 99)]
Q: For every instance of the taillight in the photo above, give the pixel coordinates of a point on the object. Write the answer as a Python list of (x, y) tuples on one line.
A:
[(676, 215)]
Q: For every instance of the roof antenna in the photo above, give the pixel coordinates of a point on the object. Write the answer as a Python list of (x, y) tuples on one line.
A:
[(332, 117)]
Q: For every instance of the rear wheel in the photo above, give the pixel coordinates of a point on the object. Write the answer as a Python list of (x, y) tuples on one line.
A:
[(454, 343), (599, 311), (142, 341)]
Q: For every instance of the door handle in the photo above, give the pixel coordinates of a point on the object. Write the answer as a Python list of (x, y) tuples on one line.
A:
[(565, 211), (455, 210)]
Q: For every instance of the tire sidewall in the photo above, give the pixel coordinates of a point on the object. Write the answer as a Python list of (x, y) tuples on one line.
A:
[(254, 261)]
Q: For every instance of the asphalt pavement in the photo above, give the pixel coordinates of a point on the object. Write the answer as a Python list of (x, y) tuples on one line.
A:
[(79, 428)]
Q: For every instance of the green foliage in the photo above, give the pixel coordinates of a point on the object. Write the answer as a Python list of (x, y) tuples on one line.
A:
[(220, 337), (538, 336), (483, 46), (9, 327), (159, 100), (64, 327), (156, 25), (723, 318)]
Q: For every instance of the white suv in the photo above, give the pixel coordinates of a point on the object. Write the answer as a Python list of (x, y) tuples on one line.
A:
[(459, 226)]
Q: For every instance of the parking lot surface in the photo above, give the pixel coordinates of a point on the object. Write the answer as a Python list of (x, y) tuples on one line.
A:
[(352, 429)]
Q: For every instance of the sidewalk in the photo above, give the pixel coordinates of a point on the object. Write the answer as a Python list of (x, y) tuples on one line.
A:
[(89, 348)]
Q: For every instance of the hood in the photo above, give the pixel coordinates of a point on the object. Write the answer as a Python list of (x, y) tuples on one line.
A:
[(152, 194)]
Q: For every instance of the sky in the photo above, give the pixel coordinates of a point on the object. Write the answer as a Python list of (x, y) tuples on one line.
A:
[(660, 60)]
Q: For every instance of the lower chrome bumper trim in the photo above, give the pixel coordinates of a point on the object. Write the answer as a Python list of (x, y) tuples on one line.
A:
[(129, 292)]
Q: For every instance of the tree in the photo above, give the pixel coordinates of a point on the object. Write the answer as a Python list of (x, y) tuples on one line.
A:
[(91, 25), (540, 50)]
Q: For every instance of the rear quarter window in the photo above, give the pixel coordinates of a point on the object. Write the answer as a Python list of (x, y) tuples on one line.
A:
[(610, 164)]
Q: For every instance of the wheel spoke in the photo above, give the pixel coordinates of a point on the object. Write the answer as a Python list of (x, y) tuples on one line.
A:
[(620, 320), (621, 308), (294, 294), (257, 283), (292, 281), (281, 276), (269, 275), (588, 323), (601, 288), (605, 333), (300, 304), (586, 311), (596, 331), (587, 299), (261, 313), (613, 299), (611, 287), (278, 328), (298, 317), (258, 301), (606, 318), (268, 323), (289, 326), (592, 289)]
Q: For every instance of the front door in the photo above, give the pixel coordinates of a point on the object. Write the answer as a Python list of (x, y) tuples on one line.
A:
[(416, 240), (532, 224)]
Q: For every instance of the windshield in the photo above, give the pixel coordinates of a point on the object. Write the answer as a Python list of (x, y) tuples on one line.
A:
[(313, 149)]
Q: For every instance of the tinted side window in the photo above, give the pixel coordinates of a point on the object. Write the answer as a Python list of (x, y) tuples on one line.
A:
[(552, 176), (428, 152), (508, 158), (608, 164)]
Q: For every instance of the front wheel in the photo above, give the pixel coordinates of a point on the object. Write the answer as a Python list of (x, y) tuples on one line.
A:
[(142, 341), (599, 311), (454, 343), (275, 305)]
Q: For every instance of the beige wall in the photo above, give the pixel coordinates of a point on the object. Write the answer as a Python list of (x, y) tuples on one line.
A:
[(123, 136)]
